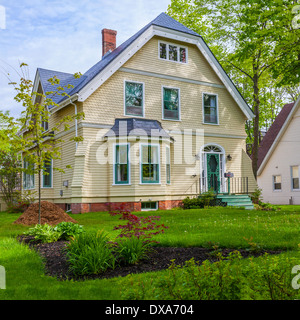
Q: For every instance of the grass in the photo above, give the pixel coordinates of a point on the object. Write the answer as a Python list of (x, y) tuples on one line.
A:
[(25, 278)]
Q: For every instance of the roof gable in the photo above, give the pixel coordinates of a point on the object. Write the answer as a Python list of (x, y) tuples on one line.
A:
[(274, 134), (165, 26)]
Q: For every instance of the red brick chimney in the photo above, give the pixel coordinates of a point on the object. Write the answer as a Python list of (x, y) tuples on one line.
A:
[(108, 40)]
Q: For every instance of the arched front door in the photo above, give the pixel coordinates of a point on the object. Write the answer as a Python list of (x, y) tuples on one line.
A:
[(212, 168)]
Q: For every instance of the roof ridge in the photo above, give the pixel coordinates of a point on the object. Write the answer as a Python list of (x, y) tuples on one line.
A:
[(273, 132)]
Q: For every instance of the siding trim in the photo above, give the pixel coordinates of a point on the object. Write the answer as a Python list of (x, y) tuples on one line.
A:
[(168, 77)]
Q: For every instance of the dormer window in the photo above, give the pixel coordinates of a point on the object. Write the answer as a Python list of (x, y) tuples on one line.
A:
[(172, 52)]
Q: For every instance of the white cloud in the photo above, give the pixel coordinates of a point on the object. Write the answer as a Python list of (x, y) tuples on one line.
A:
[(64, 35)]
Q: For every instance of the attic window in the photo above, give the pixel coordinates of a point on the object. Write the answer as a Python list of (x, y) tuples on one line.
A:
[(172, 52)]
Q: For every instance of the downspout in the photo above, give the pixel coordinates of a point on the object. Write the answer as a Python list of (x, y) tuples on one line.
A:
[(76, 124)]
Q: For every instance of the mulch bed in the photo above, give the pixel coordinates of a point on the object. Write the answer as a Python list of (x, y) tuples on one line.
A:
[(57, 266), (50, 214)]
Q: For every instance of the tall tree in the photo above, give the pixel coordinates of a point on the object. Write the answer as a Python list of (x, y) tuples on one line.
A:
[(37, 140), (252, 38)]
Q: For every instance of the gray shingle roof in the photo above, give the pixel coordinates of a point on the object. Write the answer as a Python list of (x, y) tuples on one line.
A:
[(163, 20), (137, 127)]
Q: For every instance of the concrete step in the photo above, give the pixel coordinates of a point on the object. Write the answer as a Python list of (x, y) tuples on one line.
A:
[(236, 200)]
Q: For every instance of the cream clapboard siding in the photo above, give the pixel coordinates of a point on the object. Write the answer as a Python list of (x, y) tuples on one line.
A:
[(91, 176), (107, 103), (3, 206), (147, 59), (67, 150), (97, 155), (285, 155)]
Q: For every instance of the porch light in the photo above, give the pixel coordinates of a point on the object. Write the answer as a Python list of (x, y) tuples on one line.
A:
[(229, 157)]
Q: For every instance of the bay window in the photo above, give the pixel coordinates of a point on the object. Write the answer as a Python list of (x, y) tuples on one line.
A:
[(149, 166)]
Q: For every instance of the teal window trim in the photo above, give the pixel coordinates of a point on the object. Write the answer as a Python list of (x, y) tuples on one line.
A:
[(170, 108), (149, 166), (168, 165), (49, 176), (140, 110), (210, 108), (28, 179), (117, 164)]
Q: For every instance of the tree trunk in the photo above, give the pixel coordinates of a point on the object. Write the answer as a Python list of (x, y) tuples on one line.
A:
[(256, 125), (40, 177)]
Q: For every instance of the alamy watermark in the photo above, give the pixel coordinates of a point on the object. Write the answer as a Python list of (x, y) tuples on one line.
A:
[(296, 19), (295, 280), (2, 17), (2, 278)]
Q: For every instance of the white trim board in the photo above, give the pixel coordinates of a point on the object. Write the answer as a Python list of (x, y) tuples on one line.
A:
[(148, 34)]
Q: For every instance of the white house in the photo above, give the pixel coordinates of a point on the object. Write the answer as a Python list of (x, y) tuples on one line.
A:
[(279, 158)]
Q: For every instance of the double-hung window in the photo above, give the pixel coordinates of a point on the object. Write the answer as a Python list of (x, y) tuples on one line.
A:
[(210, 109), (168, 166), (28, 175), (121, 164), (134, 99), (277, 183), (47, 174), (171, 104), (172, 52), (150, 171), (295, 177)]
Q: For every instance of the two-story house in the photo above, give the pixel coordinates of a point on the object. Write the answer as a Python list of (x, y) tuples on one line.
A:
[(163, 121)]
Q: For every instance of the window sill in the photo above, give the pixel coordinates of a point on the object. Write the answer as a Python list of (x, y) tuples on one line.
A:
[(133, 116), (150, 183), (171, 120), (212, 124), (121, 184)]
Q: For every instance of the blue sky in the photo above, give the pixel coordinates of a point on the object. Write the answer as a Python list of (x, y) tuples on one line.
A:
[(63, 35)]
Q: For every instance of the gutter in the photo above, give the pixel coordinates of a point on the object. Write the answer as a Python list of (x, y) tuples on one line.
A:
[(76, 121)]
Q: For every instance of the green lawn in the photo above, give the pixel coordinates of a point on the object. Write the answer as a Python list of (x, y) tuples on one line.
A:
[(25, 277)]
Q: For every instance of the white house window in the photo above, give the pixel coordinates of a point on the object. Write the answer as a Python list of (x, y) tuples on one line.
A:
[(171, 104), (210, 109), (148, 206), (277, 183), (121, 164), (28, 175), (134, 99), (172, 52), (150, 171), (295, 177), (47, 178)]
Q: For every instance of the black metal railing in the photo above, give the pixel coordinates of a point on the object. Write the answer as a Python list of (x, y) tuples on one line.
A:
[(234, 185)]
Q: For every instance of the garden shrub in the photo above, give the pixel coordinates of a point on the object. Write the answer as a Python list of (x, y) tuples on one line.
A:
[(68, 230), (264, 278), (204, 200), (44, 233), (47, 233), (132, 250), (140, 227), (90, 253)]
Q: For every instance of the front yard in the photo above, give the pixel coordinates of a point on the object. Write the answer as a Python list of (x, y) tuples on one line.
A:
[(210, 228)]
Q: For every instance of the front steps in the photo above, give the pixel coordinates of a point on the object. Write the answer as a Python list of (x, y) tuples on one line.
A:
[(236, 200)]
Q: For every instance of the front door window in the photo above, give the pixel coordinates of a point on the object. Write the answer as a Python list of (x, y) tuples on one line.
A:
[(213, 172), (212, 169)]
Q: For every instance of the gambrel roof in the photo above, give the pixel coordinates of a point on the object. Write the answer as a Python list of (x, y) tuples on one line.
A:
[(162, 25)]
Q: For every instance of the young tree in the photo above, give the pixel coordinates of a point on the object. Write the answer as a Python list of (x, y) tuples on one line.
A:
[(38, 142), (253, 38)]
